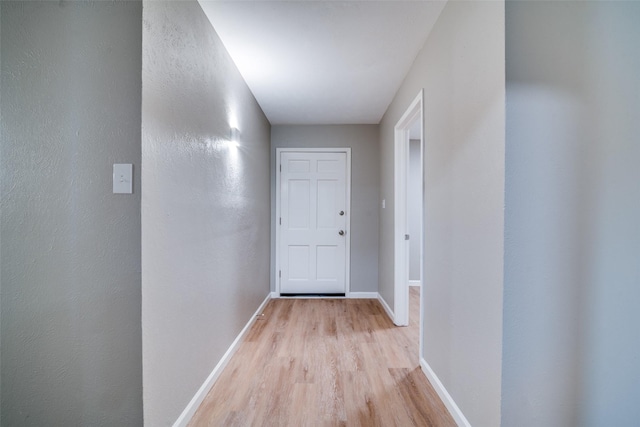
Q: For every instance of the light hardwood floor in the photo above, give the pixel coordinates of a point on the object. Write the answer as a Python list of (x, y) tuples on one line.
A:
[(332, 362)]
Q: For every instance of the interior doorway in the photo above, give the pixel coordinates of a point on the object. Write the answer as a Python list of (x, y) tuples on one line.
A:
[(414, 203), (408, 127)]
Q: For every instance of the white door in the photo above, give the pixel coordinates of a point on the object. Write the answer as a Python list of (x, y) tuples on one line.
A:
[(313, 222)]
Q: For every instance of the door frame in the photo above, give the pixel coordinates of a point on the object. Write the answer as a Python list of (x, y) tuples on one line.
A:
[(276, 220), (401, 214)]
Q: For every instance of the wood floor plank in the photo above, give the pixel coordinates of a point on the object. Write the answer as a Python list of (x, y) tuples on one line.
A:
[(333, 362)]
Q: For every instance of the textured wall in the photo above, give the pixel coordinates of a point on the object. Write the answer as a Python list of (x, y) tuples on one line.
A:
[(70, 261), (365, 185), (572, 215), (205, 206), (1, 150), (461, 69)]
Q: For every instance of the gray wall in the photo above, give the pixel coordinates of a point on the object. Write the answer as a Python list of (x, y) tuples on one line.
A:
[(70, 261), (414, 203), (461, 69), (365, 189), (205, 206), (1, 197), (572, 219)]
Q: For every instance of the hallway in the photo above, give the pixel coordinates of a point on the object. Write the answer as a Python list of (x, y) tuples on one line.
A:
[(325, 362), (121, 308)]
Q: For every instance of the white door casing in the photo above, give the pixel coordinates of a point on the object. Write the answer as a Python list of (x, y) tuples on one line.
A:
[(401, 244), (312, 223)]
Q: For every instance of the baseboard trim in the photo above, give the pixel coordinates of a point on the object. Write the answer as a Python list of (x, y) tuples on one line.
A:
[(386, 308), (275, 295), (415, 283), (446, 398), (197, 399), (363, 295)]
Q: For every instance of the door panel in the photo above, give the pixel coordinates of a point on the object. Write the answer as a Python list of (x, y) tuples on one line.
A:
[(312, 195), (326, 213), (299, 166), (299, 204), (328, 166), (326, 262), (298, 262)]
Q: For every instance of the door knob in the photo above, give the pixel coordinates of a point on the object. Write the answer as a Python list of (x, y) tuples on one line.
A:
[(341, 213), (341, 232)]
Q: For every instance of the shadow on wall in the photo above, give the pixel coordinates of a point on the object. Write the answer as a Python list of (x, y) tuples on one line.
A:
[(572, 209)]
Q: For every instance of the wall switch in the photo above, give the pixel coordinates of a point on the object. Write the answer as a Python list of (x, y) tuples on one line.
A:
[(384, 203), (122, 178)]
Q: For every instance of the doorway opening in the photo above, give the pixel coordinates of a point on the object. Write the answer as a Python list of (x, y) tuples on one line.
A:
[(408, 225)]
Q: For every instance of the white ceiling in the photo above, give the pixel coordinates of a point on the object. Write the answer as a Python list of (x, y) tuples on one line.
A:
[(323, 62)]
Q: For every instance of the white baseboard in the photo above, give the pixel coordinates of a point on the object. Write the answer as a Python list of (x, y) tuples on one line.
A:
[(446, 398), (363, 295), (386, 308), (193, 406), (275, 295), (415, 283)]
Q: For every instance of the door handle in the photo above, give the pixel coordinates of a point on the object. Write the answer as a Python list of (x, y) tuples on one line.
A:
[(341, 213), (341, 232)]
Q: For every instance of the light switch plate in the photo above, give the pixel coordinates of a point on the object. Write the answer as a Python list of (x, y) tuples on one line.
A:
[(122, 178)]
